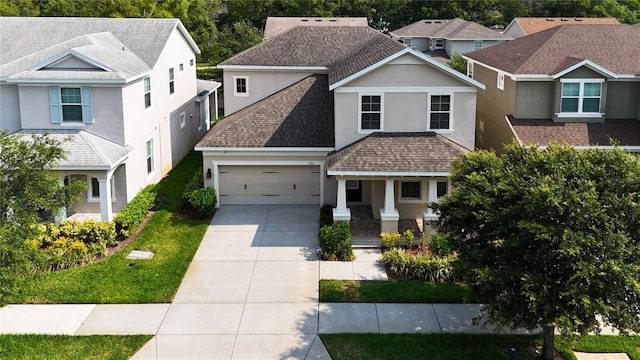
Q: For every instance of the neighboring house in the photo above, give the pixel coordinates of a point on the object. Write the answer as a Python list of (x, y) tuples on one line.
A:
[(454, 36), (522, 26), (556, 86), (277, 25), (121, 95), (340, 116)]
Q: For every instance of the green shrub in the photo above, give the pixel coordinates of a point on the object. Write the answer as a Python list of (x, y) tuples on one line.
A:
[(132, 214), (440, 245), (390, 239), (335, 242), (203, 201), (326, 215), (424, 267), (409, 236), (196, 182)]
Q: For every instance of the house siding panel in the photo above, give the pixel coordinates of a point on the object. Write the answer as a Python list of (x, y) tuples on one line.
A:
[(622, 100), (9, 112), (406, 75), (534, 100)]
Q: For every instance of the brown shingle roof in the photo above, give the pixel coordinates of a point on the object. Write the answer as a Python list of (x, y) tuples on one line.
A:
[(277, 25), (614, 47), (448, 29), (532, 25), (344, 50), (397, 153), (298, 116), (544, 132)]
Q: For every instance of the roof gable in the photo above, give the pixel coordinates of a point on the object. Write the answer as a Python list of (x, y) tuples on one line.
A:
[(452, 29)]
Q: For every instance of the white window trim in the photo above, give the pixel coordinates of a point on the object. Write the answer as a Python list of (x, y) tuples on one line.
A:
[(500, 81), (151, 173), (470, 69), (423, 192), (235, 86), (369, 131), (183, 120), (580, 113), (451, 108), (404, 41), (181, 67), (191, 62), (91, 198), (145, 93), (435, 44), (171, 94), (481, 45)]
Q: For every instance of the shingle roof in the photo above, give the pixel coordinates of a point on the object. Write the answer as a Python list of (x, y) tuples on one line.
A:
[(277, 25), (298, 116), (85, 150), (531, 25), (614, 47), (415, 152), (343, 50), (453, 29), (98, 38), (544, 132)]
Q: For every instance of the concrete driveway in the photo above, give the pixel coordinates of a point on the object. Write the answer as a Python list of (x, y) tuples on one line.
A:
[(251, 291)]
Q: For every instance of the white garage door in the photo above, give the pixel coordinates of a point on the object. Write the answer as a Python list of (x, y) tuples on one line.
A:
[(269, 185)]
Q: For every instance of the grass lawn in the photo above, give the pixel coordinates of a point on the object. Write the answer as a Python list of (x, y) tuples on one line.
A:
[(465, 346), (394, 291), (172, 238), (50, 347)]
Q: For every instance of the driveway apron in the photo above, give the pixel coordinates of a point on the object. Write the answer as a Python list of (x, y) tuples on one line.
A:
[(251, 291)]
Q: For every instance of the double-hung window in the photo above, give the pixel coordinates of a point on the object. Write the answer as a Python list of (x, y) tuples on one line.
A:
[(71, 101), (411, 190), (477, 45), (70, 105), (438, 44), (407, 41), (241, 87), (149, 154), (440, 112), (580, 96), (370, 112), (172, 85), (147, 92)]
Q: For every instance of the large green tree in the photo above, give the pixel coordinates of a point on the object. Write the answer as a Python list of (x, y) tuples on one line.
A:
[(549, 238), (28, 189)]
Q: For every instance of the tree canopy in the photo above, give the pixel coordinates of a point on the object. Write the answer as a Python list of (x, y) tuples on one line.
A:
[(549, 238)]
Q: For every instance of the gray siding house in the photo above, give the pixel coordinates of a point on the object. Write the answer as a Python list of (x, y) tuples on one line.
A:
[(121, 95)]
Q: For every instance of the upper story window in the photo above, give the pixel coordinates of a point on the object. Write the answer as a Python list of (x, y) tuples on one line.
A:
[(191, 62), (172, 86), (241, 87), (70, 105), (370, 112), (149, 155), (407, 41), (438, 44), (477, 45), (500, 83), (440, 112), (581, 96), (181, 67), (147, 92)]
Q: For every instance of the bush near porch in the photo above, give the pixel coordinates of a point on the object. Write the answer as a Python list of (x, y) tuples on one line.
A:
[(335, 242)]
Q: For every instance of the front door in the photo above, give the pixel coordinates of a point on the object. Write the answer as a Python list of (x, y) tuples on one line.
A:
[(354, 191)]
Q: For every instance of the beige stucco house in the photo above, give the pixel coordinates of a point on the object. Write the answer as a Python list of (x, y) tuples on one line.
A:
[(554, 86), (341, 116), (120, 94)]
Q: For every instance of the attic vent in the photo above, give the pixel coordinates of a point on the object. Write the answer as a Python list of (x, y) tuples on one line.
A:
[(549, 19), (333, 20), (578, 19), (438, 22), (564, 19), (304, 20), (427, 22), (318, 20)]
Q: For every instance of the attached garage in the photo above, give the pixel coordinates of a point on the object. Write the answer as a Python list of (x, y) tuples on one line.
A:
[(269, 185)]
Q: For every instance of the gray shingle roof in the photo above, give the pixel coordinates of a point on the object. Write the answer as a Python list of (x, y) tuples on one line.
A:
[(544, 132), (277, 25), (452, 29), (101, 39), (415, 152), (343, 50), (85, 150), (614, 47), (300, 115)]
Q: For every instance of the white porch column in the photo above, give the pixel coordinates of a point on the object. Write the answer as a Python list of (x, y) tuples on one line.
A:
[(62, 214), (342, 212), (106, 211), (389, 216), (432, 196)]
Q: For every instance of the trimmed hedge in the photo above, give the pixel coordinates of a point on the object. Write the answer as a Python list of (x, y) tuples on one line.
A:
[(132, 214), (425, 267), (203, 201), (335, 242)]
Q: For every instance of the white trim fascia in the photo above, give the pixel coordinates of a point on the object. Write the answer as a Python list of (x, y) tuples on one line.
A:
[(386, 173), (269, 162), (407, 89), (83, 168), (591, 65), (582, 80), (64, 81), (515, 77), (621, 77), (67, 54), (272, 68), (264, 149), (415, 53), (185, 33), (513, 131), (628, 148)]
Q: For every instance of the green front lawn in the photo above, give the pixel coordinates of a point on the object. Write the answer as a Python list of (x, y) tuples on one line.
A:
[(466, 346), (172, 238), (60, 347), (394, 291)]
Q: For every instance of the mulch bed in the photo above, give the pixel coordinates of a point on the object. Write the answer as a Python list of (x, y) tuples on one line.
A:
[(121, 244)]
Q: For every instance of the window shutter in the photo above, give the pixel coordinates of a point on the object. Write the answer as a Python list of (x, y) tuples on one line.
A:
[(87, 111), (54, 105)]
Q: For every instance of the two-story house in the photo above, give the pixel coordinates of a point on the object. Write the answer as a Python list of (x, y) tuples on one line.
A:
[(340, 116), (120, 94), (522, 26), (572, 84), (453, 36)]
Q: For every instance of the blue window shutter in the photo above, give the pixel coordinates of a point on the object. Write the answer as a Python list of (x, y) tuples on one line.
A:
[(54, 105), (87, 111)]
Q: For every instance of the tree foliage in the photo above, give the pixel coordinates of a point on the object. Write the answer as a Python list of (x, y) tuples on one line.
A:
[(28, 188), (549, 238)]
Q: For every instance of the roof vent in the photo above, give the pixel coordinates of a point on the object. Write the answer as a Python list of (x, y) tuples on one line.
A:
[(438, 22), (564, 19), (304, 20), (518, 56), (318, 20), (334, 20), (428, 22), (578, 19), (549, 19)]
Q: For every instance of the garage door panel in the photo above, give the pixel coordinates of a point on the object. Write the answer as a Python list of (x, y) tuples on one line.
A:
[(266, 185)]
